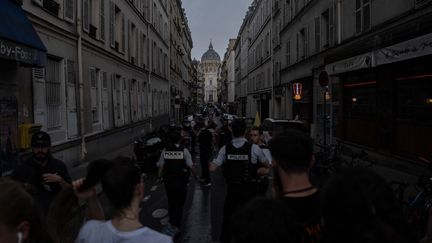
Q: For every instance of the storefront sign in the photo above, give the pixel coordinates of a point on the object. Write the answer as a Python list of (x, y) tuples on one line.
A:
[(350, 64), (13, 51), (417, 47), (297, 91)]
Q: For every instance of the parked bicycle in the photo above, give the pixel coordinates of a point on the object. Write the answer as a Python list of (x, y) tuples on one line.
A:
[(418, 206), (357, 159), (327, 162)]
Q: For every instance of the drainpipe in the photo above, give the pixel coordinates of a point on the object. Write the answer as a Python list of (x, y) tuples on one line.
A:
[(339, 23), (149, 85), (80, 81), (272, 62)]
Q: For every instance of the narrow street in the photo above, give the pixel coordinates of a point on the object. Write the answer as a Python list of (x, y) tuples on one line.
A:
[(202, 216)]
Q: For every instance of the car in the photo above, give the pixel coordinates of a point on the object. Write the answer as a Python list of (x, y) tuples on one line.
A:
[(271, 126)]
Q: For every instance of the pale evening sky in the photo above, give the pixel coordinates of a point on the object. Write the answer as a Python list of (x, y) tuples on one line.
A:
[(218, 20)]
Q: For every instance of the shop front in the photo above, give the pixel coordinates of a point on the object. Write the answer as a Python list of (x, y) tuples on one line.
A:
[(387, 99), (20, 50)]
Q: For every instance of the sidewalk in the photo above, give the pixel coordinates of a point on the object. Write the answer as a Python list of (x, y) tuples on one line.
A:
[(81, 170)]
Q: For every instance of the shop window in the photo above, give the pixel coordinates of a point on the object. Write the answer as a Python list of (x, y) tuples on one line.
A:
[(414, 100), (360, 100)]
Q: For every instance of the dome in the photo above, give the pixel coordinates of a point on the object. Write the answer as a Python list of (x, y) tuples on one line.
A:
[(210, 55)]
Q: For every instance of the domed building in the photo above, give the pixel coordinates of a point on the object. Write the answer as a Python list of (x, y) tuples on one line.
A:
[(210, 63)]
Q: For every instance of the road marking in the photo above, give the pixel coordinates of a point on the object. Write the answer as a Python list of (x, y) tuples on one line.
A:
[(153, 188), (146, 198), (160, 213)]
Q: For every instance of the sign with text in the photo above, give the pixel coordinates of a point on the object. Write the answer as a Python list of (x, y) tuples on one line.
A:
[(14, 51), (350, 64), (173, 155), (237, 156), (417, 47)]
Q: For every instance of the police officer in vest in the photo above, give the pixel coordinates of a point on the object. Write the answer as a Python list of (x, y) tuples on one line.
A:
[(239, 159), (175, 166)]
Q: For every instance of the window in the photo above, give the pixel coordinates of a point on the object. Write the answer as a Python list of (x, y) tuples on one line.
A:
[(117, 28), (144, 50), (53, 94), (95, 95), (211, 82), (69, 10), (327, 36), (414, 100), (360, 99), (362, 15), (117, 100), (132, 46)]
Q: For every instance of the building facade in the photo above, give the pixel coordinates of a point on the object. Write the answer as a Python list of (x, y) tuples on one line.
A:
[(378, 95), (210, 68), (227, 78), (375, 71), (105, 75)]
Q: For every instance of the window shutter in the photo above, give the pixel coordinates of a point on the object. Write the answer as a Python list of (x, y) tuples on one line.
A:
[(297, 46), (306, 41), (136, 46), (123, 27), (112, 27), (331, 25), (39, 101), (129, 39), (69, 10), (317, 34), (86, 15), (102, 20)]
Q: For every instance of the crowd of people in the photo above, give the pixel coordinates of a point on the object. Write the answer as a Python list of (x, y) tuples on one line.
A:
[(269, 195)]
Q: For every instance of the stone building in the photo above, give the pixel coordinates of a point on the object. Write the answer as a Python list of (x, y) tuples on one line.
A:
[(210, 67)]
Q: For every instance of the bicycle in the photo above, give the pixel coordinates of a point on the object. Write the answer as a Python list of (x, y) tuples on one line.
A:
[(327, 162), (417, 208), (358, 159)]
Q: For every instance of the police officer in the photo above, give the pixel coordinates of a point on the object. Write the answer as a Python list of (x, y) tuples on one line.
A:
[(262, 172), (175, 165), (239, 159)]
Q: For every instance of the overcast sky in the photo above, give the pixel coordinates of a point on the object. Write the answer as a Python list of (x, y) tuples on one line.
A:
[(218, 20)]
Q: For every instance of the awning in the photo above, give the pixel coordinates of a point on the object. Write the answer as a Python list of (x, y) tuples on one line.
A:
[(18, 39)]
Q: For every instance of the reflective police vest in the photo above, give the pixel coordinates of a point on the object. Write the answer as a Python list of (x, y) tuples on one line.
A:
[(175, 164), (238, 167)]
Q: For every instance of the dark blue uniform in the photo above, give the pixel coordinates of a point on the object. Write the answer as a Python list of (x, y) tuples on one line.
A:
[(240, 175), (176, 173)]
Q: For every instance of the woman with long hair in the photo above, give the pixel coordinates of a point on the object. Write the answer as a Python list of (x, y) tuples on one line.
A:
[(123, 186)]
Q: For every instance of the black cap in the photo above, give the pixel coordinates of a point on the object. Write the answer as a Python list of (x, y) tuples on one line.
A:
[(41, 138)]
